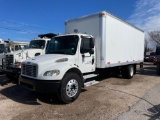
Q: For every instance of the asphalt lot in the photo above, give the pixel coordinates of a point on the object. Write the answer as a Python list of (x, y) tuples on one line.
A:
[(112, 98)]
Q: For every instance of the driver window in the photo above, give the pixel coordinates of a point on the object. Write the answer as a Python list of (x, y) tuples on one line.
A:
[(85, 45)]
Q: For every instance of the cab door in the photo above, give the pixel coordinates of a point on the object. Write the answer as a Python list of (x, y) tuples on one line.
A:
[(87, 55)]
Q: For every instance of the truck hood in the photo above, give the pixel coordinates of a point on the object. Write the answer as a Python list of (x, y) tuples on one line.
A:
[(49, 59), (21, 55), (29, 51)]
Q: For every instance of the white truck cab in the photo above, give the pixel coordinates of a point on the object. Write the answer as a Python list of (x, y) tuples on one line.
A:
[(67, 58), (12, 62)]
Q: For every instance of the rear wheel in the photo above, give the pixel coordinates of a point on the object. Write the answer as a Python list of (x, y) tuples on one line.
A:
[(70, 88), (128, 71)]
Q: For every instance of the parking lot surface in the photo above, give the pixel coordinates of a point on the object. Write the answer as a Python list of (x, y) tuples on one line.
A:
[(113, 98)]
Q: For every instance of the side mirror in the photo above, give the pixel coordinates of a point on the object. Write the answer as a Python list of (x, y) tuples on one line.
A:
[(91, 44), (91, 51), (82, 50)]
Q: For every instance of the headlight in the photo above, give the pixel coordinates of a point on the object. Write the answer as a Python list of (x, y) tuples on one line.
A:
[(51, 73), (19, 64)]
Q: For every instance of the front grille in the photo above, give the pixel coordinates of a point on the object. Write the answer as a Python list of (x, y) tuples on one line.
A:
[(29, 70), (7, 62), (9, 59)]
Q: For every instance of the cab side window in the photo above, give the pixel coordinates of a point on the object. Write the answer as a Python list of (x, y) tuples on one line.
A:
[(85, 45)]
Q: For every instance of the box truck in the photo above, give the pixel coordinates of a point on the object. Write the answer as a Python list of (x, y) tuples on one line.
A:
[(92, 44), (11, 63)]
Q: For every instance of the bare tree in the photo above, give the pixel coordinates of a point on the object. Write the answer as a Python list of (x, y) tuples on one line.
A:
[(155, 36)]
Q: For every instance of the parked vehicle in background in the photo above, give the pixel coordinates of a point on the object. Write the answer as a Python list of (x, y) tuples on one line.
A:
[(92, 45), (11, 64), (10, 47), (151, 57), (4, 48), (157, 59), (17, 45), (146, 57)]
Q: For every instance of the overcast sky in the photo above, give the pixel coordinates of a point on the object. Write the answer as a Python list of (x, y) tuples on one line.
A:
[(22, 20)]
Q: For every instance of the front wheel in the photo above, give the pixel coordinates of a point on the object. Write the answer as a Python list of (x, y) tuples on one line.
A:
[(70, 88)]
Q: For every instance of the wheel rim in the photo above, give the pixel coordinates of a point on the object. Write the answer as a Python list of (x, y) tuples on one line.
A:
[(131, 71), (72, 88)]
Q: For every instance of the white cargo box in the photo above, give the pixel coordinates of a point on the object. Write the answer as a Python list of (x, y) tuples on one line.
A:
[(117, 42)]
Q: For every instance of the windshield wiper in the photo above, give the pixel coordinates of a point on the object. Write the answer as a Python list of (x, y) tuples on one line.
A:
[(60, 52), (57, 52)]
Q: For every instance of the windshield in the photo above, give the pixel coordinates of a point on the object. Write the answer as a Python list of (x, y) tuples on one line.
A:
[(63, 45), (4, 49), (38, 44)]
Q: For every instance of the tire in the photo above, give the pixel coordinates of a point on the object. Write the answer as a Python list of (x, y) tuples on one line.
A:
[(9, 76), (70, 88), (128, 71), (12, 77), (158, 69)]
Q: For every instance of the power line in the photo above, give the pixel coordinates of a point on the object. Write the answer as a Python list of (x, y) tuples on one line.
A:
[(25, 25), (19, 30)]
